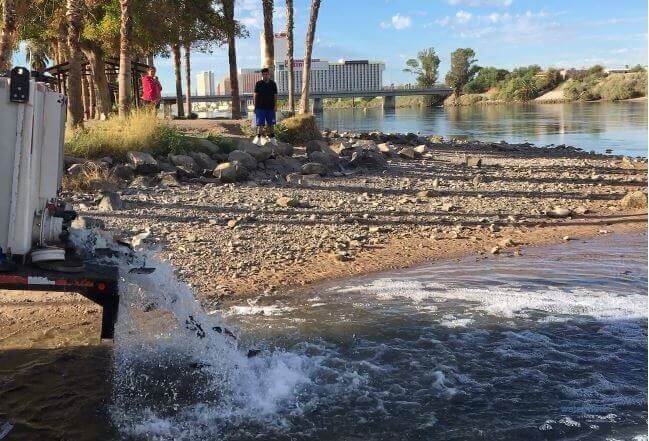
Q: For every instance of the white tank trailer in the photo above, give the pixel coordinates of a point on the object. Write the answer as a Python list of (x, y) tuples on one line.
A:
[(32, 127), (35, 250)]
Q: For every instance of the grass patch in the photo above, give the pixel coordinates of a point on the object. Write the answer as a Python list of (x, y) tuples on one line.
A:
[(225, 145), (142, 131)]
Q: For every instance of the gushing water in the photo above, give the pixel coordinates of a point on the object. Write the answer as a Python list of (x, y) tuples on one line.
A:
[(552, 345)]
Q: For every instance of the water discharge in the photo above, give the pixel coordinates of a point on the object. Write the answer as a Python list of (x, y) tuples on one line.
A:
[(551, 345)]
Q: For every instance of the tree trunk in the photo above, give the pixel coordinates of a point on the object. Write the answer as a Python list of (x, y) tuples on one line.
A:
[(289, 56), (149, 61), (8, 30), (269, 52), (175, 50), (93, 97), (95, 56), (62, 38), (228, 12), (304, 99), (75, 104), (124, 79), (188, 80), (85, 93)]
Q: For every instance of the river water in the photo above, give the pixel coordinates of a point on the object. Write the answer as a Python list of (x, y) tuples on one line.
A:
[(550, 345), (599, 126)]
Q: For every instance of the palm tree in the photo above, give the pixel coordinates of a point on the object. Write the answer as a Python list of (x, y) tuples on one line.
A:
[(125, 36), (175, 51), (95, 55), (37, 54), (188, 79), (306, 70), (289, 55), (75, 105), (8, 29), (228, 13), (269, 46)]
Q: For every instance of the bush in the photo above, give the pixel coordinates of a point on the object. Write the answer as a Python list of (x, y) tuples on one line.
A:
[(581, 90), (518, 89), (622, 86), (226, 145), (467, 100), (142, 131), (486, 78)]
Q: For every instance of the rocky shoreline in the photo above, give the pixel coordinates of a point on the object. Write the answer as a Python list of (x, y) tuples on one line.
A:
[(266, 219)]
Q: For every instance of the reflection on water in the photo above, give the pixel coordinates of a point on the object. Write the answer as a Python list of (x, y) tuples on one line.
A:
[(599, 126)]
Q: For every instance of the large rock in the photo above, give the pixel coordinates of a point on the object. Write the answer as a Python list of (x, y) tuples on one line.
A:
[(124, 171), (559, 212), (260, 153), (110, 202), (314, 168), (323, 158), (343, 148), (408, 153), (243, 158), (420, 149), (634, 199), (473, 161), (184, 161), (316, 145), (75, 169), (206, 145), (281, 149), (143, 162), (230, 172), (203, 160), (283, 165), (286, 201), (368, 158), (386, 148)]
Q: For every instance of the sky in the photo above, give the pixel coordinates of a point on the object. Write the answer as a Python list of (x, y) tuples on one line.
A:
[(503, 33)]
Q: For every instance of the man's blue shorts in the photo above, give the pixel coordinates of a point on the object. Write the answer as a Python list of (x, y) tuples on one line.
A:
[(264, 117)]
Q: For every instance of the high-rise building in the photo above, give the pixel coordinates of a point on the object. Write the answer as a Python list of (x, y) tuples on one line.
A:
[(343, 76), (205, 84), (247, 80), (280, 44)]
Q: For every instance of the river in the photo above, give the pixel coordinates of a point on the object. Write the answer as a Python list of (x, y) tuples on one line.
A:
[(598, 126), (550, 345)]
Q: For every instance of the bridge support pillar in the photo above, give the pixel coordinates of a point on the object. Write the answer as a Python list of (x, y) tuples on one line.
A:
[(317, 105), (389, 102), (244, 106), (166, 110)]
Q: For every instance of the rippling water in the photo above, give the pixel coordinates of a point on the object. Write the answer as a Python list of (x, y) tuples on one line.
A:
[(551, 345), (619, 126)]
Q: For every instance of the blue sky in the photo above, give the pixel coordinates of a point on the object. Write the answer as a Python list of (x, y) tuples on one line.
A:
[(503, 33)]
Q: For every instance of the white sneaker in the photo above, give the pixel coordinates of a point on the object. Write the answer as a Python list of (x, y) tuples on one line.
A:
[(264, 141), (256, 140)]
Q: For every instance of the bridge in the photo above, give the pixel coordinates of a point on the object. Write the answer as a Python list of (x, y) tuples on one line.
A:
[(388, 94)]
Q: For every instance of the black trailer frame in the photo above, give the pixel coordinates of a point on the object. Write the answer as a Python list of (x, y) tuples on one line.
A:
[(96, 282)]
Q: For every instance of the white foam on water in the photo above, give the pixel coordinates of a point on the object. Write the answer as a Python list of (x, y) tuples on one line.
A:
[(162, 330), (258, 310), (514, 302)]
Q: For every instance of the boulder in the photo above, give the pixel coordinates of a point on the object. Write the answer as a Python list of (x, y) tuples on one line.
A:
[(124, 171), (420, 149), (110, 202), (281, 149), (203, 160), (368, 158), (286, 201), (75, 169), (230, 172), (260, 153), (634, 199), (283, 165), (343, 148), (316, 145), (323, 158), (143, 162), (169, 179), (386, 149), (408, 153), (243, 158), (472, 161), (184, 161), (559, 212), (206, 145), (184, 173), (314, 168)]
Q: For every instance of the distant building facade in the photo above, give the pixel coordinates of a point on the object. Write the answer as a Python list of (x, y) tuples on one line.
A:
[(347, 76), (247, 80), (205, 84), (280, 43)]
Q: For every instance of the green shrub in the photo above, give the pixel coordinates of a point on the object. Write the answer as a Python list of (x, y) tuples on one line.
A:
[(226, 145), (142, 131), (622, 86), (467, 100)]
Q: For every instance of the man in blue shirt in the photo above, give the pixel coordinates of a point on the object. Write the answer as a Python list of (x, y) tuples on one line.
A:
[(265, 107)]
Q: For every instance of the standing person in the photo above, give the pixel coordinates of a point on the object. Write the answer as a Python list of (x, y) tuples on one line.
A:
[(265, 107), (151, 89)]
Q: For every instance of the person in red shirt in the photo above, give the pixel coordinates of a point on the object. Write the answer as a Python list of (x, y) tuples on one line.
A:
[(151, 89)]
